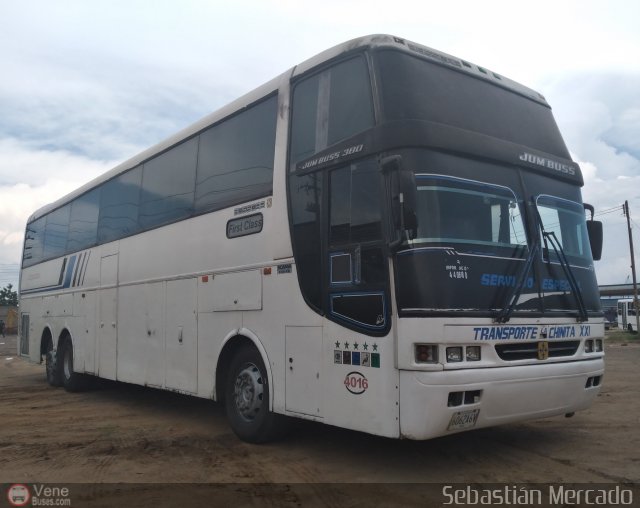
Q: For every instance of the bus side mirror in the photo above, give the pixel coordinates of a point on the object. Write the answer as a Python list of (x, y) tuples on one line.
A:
[(594, 229), (403, 193)]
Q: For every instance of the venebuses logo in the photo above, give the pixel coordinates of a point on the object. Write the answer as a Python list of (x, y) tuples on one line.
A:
[(18, 494)]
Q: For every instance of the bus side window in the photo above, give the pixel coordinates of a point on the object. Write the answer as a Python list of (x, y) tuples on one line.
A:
[(235, 158), (168, 183), (330, 106), (119, 204), (34, 242), (83, 222), (56, 232), (355, 214)]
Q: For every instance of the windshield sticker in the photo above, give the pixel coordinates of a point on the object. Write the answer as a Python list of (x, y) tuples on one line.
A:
[(458, 271), (498, 280)]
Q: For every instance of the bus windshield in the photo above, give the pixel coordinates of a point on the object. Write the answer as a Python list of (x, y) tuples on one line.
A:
[(473, 241), (473, 216), (565, 220)]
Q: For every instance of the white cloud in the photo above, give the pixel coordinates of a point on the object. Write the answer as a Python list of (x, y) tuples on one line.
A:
[(30, 179), (598, 115)]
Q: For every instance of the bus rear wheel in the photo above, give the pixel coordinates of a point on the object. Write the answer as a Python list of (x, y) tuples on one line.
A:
[(247, 399), (54, 376), (72, 381)]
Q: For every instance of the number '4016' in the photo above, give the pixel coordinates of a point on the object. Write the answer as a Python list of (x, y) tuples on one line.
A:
[(356, 382)]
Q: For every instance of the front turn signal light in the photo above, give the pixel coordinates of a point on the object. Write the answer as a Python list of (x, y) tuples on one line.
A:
[(426, 353)]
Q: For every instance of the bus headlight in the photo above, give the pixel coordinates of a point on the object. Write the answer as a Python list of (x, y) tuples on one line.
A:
[(599, 345), (426, 353), (473, 353), (454, 354), (588, 346)]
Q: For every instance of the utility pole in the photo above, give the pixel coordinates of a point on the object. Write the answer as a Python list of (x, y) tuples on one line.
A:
[(633, 268)]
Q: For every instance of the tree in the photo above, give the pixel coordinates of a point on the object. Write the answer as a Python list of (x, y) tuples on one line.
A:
[(8, 296)]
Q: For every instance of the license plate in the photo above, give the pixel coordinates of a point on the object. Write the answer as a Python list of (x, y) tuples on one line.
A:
[(463, 419)]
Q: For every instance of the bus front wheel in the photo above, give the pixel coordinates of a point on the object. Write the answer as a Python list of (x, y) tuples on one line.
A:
[(247, 399)]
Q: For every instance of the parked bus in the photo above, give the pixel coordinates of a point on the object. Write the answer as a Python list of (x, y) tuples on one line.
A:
[(627, 315), (384, 238)]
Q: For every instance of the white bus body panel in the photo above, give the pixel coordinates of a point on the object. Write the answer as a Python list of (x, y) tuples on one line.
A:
[(510, 391), (509, 394)]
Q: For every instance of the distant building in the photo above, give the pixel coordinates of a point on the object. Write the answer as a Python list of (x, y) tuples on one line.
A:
[(9, 314)]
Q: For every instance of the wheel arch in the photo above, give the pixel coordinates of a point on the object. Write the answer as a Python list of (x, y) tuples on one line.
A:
[(231, 344), (65, 334), (45, 337)]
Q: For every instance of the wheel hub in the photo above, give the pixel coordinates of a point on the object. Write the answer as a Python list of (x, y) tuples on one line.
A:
[(67, 365), (249, 392)]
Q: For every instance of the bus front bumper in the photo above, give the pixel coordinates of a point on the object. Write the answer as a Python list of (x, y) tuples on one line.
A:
[(438, 403)]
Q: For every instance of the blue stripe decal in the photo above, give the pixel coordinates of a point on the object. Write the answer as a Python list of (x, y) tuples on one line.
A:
[(68, 274), (70, 266)]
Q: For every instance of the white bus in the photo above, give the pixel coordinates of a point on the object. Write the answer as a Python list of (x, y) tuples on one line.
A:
[(384, 238), (627, 315)]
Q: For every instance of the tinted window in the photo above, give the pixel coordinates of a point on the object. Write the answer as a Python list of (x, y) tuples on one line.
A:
[(56, 230), (306, 198), (350, 109), (83, 221), (413, 88), (168, 183), (355, 204), (235, 160), (119, 203), (34, 242), (329, 107), (303, 119)]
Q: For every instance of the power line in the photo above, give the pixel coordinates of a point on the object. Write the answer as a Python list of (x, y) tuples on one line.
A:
[(610, 210)]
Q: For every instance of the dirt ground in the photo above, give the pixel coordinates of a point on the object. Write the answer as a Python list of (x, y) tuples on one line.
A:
[(118, 438)]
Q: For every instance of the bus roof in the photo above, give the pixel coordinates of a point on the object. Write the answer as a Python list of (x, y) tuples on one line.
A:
[(358, 44)]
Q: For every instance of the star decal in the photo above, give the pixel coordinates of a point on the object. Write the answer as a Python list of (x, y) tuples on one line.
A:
[(346, 345), (365, 346), (375, 347), (337, 345), (355, 345)]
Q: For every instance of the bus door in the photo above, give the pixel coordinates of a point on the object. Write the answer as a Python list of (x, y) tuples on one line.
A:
[(107, 332)]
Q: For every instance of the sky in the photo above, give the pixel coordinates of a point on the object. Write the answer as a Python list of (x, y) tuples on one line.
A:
[(87, 85)]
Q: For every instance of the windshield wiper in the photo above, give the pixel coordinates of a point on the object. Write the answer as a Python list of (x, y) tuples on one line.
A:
[(564, 263), (505, 314)]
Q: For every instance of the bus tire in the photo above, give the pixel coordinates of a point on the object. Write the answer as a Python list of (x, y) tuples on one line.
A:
[(72, 381), (53, 372), (247, 399)]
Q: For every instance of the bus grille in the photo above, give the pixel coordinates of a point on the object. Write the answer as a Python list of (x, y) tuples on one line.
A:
[(529, 350)]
